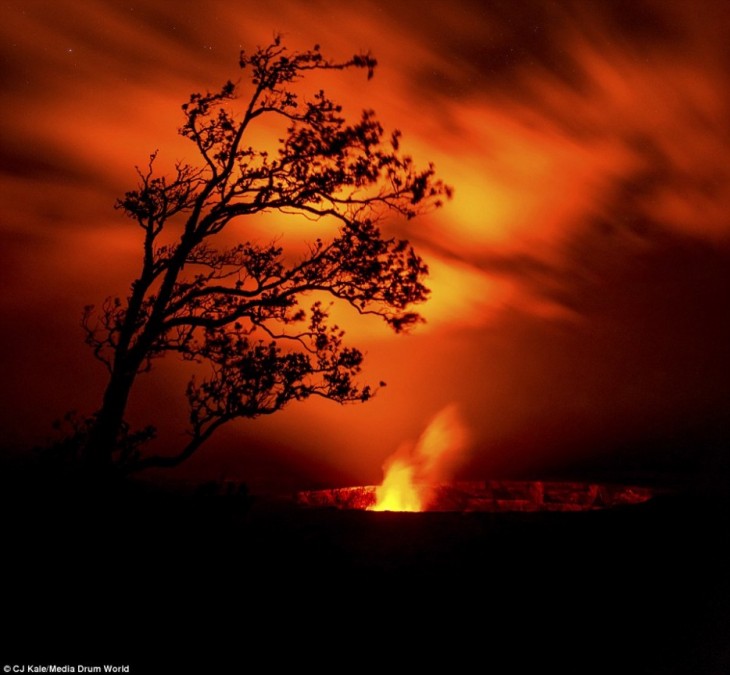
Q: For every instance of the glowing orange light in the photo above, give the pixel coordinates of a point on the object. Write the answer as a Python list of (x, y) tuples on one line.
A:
[(412, 473), (399, 492)]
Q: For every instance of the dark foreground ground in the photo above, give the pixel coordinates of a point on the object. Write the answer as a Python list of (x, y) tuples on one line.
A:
[(172, 583)]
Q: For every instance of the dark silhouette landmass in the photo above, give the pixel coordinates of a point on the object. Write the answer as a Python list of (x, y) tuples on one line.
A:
[(638, 588)]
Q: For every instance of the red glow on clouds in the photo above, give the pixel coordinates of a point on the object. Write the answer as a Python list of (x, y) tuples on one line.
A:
[(588, 149)]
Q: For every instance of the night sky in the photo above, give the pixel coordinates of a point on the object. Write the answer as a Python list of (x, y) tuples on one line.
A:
[(580, 276)]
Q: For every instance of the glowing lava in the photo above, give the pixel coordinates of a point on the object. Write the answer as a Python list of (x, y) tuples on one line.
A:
[(491, 496), (399, 492), (412, 471), (418, 478)]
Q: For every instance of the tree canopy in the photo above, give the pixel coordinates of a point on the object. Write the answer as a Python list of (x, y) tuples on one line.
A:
[(256, 317)]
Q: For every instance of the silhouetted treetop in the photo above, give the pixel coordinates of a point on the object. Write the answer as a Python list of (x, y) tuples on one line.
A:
[(241, 308)]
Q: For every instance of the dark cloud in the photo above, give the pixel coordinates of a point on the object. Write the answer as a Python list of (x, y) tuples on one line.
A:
[(43, 163), (495, 49), (646, 24)]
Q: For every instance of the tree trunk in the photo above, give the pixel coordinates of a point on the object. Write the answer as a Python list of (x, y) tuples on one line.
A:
[(104, 434)]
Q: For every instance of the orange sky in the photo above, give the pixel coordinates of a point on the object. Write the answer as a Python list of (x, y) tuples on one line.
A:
[(579, 276)]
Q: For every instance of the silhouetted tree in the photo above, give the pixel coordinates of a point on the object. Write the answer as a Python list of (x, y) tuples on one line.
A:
[(237, 308)]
